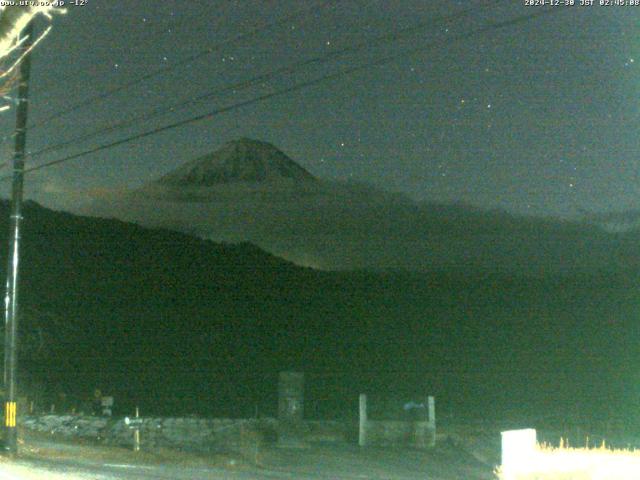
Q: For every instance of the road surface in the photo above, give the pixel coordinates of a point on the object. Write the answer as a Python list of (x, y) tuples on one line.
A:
[(53, 460)]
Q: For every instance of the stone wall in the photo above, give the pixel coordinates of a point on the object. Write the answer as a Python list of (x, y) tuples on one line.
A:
[(328, 431), (193, 434), (190, 433), (395, 433)]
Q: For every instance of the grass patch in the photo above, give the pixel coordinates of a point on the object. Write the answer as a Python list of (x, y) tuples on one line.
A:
[(567, 463)]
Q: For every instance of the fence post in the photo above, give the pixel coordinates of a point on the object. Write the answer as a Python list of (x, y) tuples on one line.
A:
[(362, 432), (290, 409), (136, 434), (431, 420)]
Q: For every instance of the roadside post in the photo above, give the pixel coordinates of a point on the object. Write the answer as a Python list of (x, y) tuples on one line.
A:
[(290, 409), (431, 421), (134, 424), (362, 430)]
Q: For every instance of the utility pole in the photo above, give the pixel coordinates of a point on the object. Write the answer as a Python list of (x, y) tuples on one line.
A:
[(11, 298)]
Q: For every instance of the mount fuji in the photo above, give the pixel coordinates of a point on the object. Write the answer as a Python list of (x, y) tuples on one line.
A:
[(249, 190)]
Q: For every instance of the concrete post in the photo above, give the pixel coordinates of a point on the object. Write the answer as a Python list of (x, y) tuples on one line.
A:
[(362, 432), (431, 421), (291, 397), (431, 411), (136, 434), (290, 409)]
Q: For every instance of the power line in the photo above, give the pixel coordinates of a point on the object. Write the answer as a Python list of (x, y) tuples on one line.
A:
[(181, 63), (388, 37), (293, 88)]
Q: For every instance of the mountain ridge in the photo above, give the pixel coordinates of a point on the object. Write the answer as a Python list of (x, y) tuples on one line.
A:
[(338, 226), (239, 161)]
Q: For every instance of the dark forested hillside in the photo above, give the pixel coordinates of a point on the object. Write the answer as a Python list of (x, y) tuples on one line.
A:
[(183, 325)]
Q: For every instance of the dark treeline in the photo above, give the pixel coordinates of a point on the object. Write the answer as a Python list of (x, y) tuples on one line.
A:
[(180, 325)]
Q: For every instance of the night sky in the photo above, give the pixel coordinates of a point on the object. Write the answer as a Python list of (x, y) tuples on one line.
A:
[(540, 117)]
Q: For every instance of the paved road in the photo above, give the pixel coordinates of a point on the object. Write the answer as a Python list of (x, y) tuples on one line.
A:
[(33, 469), (54, 470), (56, 461), (36, 470)]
